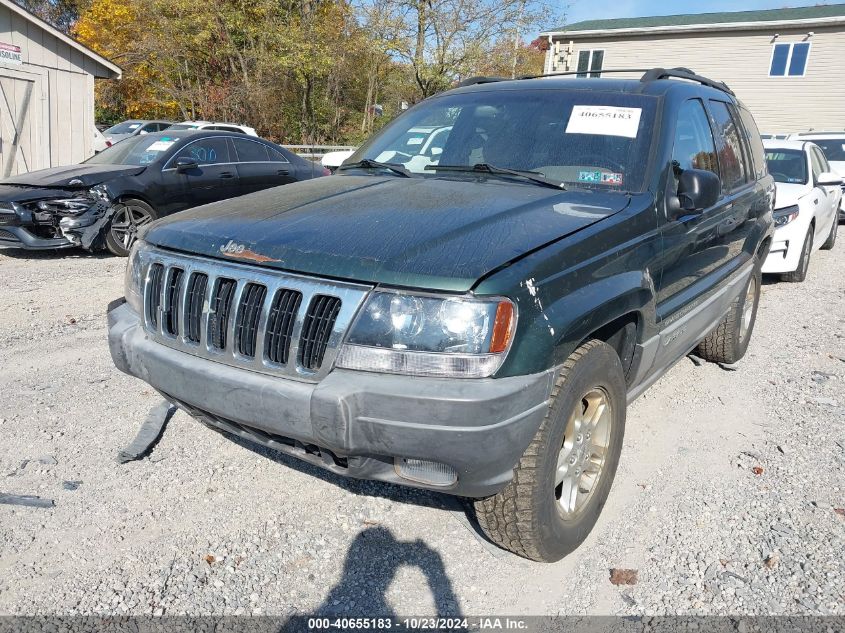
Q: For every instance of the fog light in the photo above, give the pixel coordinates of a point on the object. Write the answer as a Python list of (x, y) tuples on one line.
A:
[(425, 472)]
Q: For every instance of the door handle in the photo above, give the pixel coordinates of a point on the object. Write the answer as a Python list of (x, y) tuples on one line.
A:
[(283, 172), (227, 174)]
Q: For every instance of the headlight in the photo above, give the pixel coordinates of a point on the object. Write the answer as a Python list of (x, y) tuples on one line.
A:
[(459, 337), (786, 215), (66, 206), (133, 280)]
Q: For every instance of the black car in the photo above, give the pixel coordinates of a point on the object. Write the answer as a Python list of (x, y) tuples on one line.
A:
[(103, 201), (475, 321)]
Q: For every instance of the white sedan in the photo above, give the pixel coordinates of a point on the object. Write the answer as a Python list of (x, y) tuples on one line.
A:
[(806, 206)]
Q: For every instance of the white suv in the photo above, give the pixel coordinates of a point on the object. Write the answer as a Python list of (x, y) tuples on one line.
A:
[(214, 125), (833, 146)]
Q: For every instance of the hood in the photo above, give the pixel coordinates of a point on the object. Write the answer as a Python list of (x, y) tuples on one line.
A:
[(90, 175), (434, 233), (787, 195)]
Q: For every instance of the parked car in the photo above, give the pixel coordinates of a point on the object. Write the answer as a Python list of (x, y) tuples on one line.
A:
[(833, 146), (100, 143), (420, 147), (806, 206), (476, 325), (211, 125), (106, 199), (134, 127)]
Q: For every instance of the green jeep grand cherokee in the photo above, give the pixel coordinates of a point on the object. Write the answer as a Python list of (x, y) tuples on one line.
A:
[(475, 317)]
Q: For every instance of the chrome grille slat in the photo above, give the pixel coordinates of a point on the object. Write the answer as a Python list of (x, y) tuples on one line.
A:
[(249, 311), (257, 335)]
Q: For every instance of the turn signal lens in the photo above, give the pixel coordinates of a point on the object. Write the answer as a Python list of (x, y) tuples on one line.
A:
[(502, 328)]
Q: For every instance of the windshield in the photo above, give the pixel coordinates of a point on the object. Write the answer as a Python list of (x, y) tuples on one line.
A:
[(788, 166), (833, 148), (588, 139), (127, 127), (136, 151)]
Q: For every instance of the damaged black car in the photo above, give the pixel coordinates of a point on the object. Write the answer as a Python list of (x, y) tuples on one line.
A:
[(103, 202)]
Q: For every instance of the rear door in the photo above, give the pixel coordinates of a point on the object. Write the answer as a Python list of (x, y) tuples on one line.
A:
[(215, 177), (260, 167)]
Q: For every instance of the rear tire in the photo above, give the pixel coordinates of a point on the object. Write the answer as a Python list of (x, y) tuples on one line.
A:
[(130, 215), (800, 274), (728, 342), (831, 237), (563, 479)]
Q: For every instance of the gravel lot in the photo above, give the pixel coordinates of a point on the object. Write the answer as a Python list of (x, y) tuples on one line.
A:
[(728, 498)]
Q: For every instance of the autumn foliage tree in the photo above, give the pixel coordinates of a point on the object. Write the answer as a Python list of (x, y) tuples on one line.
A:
[(309, 71)]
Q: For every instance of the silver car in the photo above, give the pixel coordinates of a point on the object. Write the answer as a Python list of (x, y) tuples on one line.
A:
[(132, 127)]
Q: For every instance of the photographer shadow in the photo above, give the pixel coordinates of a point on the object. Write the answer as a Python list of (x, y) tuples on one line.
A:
[(371, 564)]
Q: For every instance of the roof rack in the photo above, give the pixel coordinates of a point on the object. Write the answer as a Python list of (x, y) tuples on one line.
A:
[(684, 73), (472, 81)]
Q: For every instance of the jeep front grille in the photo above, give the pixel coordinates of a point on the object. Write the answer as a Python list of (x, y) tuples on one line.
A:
[(241, 315)]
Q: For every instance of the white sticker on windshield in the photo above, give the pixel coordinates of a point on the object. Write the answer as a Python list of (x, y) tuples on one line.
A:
[(160, 146), (604, 120), (134, 126), (416, 140)]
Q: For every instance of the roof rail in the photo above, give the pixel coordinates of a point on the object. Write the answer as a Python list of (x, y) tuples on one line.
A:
[(684, 73), (472, 81)]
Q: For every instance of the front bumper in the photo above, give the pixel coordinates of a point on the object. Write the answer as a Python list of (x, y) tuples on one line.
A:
[(352, 423), (787, 243), (19, 237)]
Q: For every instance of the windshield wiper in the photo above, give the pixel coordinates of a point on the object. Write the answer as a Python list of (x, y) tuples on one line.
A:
[(485, 168), (366, 163)]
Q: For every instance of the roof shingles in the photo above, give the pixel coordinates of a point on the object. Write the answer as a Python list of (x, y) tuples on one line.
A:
[(770, 15)]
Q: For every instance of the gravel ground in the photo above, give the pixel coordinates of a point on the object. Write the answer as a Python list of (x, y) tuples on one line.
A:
[(728, 498)]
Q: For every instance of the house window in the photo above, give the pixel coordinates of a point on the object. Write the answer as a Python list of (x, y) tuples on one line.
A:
[(590, 63), (789, 60)]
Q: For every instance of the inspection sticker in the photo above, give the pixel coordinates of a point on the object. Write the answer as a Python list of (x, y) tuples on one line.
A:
[(604, 120), (599, 177), (160, 146)]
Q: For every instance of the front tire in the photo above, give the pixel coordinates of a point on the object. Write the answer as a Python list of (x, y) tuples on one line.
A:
[(128, 218), (728, 342), (563, 479)]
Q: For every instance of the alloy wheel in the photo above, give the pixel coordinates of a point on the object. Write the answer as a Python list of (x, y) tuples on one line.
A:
[(582, 457), (126, 222), (748, 308)]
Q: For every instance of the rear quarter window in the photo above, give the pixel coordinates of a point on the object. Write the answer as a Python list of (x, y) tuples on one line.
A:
[(758, 152)]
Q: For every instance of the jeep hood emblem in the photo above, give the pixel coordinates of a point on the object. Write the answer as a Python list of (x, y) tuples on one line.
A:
[(233, 249)]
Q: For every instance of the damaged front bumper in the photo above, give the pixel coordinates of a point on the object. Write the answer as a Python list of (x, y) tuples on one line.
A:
[(53, 224), (401, 429)]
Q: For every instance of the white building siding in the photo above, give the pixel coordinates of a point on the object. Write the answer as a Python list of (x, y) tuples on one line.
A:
[(741, 59), (58, 124)]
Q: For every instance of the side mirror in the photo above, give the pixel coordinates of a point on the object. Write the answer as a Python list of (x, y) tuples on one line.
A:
[(186, 164), (828, 179), (698, 189)]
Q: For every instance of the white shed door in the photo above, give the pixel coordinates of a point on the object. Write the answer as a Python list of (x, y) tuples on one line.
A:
[(19, 106)]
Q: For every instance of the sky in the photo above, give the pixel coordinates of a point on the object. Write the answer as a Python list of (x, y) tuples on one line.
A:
[(591, 10)]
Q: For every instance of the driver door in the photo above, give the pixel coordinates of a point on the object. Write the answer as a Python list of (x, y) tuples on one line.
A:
[(214, 178)]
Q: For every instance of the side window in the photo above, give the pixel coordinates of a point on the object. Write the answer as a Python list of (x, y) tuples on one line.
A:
[(206, 152), (694, 147), (815, 164), (825, 166), (758, 152), (277, 156), (250, 151), (731, 157)]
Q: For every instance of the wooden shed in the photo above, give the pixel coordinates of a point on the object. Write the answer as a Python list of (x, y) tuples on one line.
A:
[(46, 93)]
